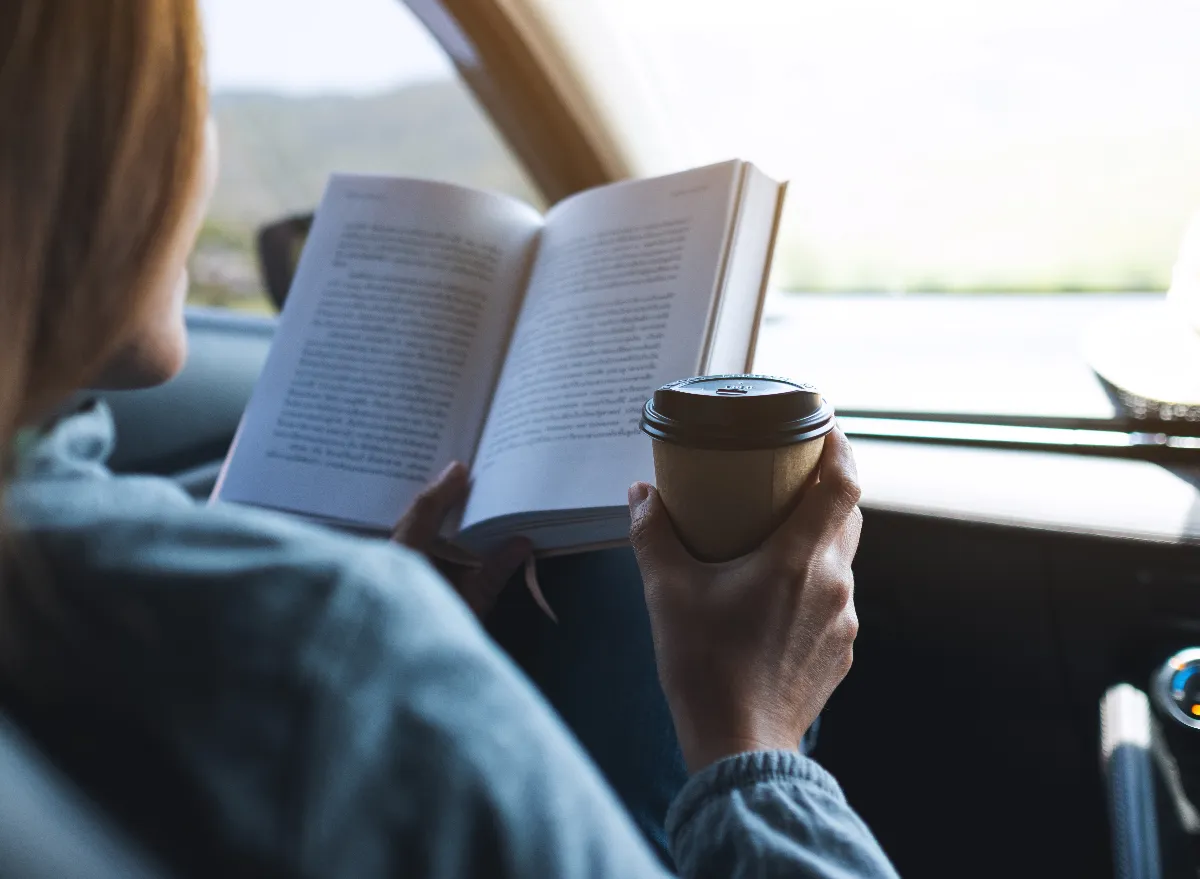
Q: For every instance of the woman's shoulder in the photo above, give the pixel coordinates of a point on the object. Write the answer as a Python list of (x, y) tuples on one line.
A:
[(127, 530), (85, 521), (249, 664), (108, 548)]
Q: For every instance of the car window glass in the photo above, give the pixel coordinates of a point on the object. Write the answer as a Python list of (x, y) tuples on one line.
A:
[(973, 185), (305, 88)]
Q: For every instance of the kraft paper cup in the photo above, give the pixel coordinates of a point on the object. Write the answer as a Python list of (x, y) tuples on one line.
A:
[(732, 455)]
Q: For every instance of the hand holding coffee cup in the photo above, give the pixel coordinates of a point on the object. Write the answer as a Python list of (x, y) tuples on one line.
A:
[(749, 650), (732, 454)]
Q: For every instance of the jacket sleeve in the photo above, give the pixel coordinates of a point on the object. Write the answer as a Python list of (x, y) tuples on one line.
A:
[(768, 814)]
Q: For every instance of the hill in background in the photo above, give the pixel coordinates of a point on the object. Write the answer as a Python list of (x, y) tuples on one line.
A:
[(277, 153), (1043, 208)]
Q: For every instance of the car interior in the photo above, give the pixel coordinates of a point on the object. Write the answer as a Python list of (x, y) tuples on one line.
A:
[(1028, 580)]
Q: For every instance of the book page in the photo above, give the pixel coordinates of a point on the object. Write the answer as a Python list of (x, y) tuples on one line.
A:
[(739, 313), (618, 303), (387, 351)]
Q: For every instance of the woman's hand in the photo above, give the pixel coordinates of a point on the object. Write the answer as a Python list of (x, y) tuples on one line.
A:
[(418, 529), (749, 650)]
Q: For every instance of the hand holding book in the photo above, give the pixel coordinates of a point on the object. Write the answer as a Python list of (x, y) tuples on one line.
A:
[(479, 585)]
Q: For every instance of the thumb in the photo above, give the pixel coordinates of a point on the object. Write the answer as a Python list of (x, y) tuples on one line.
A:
[(653, 536)]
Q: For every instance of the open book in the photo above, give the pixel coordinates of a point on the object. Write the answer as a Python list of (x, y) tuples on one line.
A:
[(428, 323)]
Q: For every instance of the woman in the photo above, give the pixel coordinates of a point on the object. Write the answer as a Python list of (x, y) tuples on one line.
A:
[(250, 695)]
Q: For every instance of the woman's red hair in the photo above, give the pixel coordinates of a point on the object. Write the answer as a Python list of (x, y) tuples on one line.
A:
[(102, 109)]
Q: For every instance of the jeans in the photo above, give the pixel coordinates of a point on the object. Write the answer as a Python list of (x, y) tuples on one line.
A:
[(596, 667)]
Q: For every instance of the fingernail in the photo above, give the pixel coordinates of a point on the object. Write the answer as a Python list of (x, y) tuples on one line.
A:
[(638, 492), (448, 471)]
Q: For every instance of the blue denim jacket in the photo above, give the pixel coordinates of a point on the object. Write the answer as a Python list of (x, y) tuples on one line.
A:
[(251, 695)]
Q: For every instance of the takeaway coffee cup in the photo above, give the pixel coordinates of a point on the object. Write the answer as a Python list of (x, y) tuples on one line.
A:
[(732, 453)]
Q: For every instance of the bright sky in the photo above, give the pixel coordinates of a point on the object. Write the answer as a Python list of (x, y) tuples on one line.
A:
[(903, 70), (317, 46)]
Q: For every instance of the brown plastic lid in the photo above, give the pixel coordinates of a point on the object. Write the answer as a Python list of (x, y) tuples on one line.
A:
[(736, 412)]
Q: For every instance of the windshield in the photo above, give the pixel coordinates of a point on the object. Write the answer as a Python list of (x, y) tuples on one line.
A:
[(974, 186), (1025, 145), (1042, 156)]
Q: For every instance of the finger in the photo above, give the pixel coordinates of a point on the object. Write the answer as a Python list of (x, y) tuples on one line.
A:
[(421, 522), (837, 489), (851, 533), (654, 540), (828, 583), (825, 506), (835, 556), (480, 589)]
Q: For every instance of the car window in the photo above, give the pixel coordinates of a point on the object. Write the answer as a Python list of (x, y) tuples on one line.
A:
[(305, 88), (1038, 145), (959, 171)]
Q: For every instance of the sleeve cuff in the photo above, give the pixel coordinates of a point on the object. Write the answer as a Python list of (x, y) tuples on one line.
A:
[(743, 771)]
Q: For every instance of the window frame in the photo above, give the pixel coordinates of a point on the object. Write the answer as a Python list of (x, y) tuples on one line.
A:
[(525, 81)]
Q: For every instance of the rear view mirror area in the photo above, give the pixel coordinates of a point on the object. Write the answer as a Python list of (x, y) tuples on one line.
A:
[(279, 247)]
